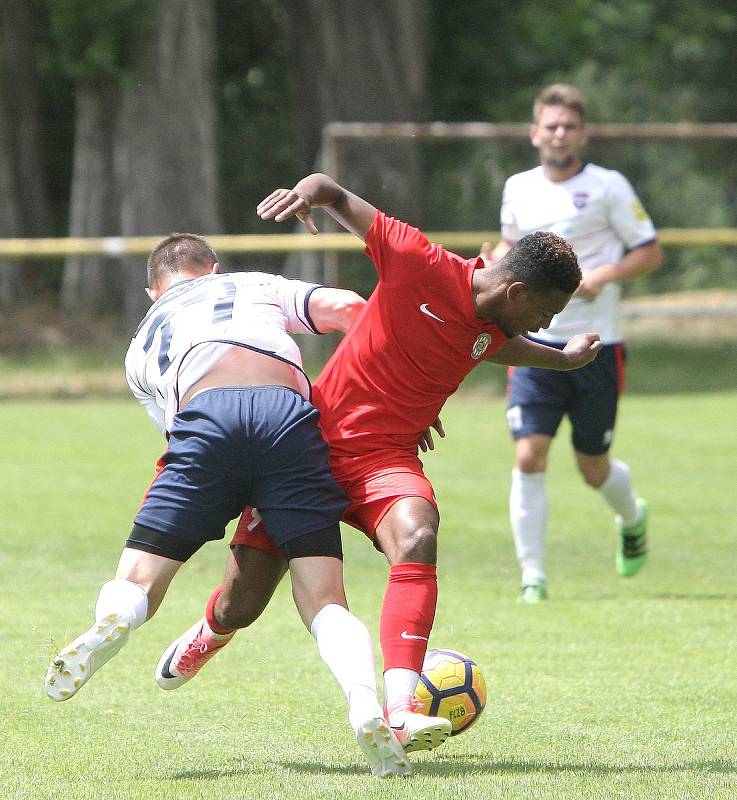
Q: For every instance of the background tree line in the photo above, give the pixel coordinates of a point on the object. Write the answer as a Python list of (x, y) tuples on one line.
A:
[(139, 117)]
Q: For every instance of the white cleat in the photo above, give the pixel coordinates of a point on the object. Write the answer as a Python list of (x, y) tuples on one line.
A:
[(382, 749), (418, 732), (76, 663)]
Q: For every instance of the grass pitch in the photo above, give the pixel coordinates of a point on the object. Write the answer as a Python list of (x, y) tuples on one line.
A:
[(615, 688)]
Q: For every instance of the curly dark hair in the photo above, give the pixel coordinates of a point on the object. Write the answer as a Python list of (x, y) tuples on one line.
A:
[(176, 251), (543, 260)]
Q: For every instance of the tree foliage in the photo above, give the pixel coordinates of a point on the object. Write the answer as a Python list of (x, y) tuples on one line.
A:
[(98, 40), (637, 61), (284, 67), (253, 95)]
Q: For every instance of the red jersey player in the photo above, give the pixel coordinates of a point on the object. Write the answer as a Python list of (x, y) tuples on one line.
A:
[(432, 318)]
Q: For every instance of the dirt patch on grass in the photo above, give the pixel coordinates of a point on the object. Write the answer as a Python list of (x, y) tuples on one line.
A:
[(39, 329), (700, 316)]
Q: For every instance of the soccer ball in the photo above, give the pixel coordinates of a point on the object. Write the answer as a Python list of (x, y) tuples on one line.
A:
[(451, 685)]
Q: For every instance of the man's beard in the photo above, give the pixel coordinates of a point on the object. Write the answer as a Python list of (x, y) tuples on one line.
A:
[(560, 163)]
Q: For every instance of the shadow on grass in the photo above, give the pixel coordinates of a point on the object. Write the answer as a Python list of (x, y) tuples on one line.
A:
[(609, 597), (263, 769), (698, 597), (445, 765)]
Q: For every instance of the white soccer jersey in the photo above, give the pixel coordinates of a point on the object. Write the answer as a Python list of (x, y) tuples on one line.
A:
[(600, 215), (194, 322)]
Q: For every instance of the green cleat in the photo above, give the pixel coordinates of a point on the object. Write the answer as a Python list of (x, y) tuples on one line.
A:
[(632, 550), (533, 592)]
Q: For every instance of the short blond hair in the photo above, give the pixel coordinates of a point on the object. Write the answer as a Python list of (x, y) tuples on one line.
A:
[(560, 94)]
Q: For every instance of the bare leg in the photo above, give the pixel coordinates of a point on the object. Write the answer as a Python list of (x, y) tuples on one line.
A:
[(613, 479), (151, 572), (317, 581), (344, 645), (593, 468), (408, 531), (125, 603), (251, 577)]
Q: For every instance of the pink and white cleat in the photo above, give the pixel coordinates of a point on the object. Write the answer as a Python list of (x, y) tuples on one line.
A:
[(186, 656), (416, 731)]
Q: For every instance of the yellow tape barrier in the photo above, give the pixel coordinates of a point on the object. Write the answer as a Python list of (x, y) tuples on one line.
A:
[(117, 246)]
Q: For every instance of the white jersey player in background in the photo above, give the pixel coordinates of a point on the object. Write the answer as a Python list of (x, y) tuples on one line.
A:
[(599, 214), (217, 370)]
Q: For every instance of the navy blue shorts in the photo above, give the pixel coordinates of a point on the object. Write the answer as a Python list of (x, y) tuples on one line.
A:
[(237, 447), (537, 400)]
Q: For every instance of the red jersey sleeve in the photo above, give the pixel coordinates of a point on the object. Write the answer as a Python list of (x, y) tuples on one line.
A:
[(398, 250)]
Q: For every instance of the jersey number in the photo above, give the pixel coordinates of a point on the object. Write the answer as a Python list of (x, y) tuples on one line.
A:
[(222, 312)]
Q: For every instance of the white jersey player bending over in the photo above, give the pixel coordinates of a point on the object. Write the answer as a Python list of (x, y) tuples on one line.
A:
[(215, 367)]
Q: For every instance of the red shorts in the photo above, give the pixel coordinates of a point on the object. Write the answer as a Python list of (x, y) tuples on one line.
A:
[(373, 484)]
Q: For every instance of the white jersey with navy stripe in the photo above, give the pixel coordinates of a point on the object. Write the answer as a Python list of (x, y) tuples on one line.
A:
[(600, 215), (194, 322)]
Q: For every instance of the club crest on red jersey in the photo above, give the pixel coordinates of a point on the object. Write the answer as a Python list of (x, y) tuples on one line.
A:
[(483, 340)]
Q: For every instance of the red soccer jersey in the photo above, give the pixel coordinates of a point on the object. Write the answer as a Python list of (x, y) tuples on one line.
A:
[(415, 340)]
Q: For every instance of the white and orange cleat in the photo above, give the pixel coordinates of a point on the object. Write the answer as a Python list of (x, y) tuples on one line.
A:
[(186, 656), (415, 731), (79, 660)]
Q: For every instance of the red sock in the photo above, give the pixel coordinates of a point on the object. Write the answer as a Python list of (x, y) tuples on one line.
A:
[(215, 626), (407, 615)]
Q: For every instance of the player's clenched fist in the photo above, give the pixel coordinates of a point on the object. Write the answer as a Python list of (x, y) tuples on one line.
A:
[(582, 349)]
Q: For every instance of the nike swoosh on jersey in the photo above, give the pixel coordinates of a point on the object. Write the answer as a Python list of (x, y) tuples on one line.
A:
[(406, 635), (426, 310)]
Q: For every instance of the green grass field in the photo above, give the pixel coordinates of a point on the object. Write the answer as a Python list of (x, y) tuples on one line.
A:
[(613, 689)]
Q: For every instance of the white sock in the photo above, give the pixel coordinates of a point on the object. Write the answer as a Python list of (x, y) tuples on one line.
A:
[(617, 491), (208, 631), (122, 597), (399, 688), (344, 645), (528, 514)]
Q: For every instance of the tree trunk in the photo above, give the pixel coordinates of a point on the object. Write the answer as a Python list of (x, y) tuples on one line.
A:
[(94, 210), (166, 162), (24, 205), (357, 61), (10, 270), (145, 156)]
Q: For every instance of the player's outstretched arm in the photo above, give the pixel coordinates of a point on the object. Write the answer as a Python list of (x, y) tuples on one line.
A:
[(522, 352), (350, 210), (638, 262), (334, 309)]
